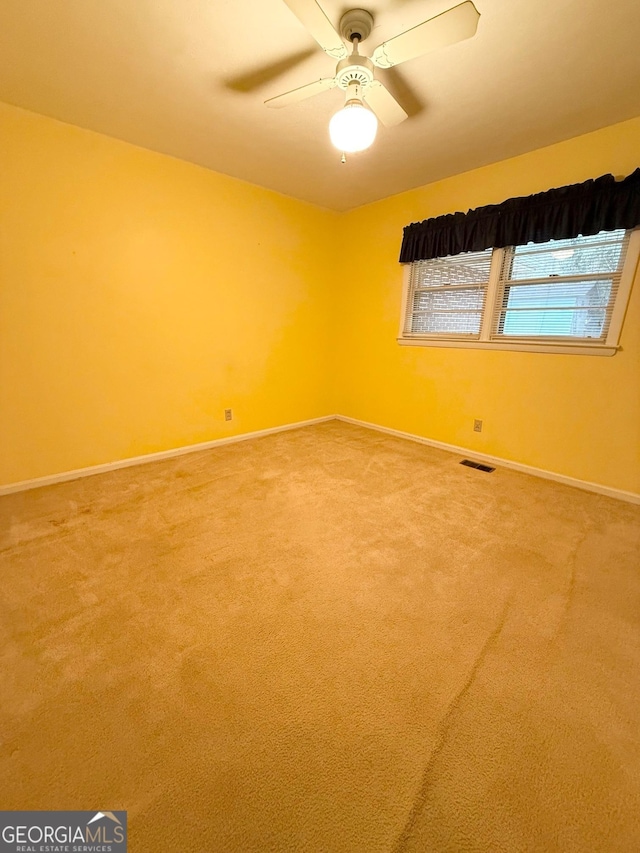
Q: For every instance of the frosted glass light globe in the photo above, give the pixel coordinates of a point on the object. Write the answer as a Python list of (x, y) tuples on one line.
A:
[(353, 128)]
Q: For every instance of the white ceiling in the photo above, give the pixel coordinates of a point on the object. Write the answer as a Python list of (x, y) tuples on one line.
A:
[(170, 75)]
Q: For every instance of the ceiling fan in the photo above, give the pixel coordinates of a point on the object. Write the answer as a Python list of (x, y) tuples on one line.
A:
[(367, 97)]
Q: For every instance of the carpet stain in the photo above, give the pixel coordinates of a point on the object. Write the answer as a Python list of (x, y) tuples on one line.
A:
[(446, 730)]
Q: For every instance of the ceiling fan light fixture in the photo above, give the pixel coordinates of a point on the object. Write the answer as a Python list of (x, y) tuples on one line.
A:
[(353, 128)]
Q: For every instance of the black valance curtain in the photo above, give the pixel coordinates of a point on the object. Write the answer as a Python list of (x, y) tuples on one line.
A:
[(602, 204)]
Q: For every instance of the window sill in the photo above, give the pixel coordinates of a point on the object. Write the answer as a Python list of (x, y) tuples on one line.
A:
[(529, 346)]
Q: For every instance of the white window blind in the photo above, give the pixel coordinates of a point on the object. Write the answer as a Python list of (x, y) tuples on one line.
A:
[(560, 289), (560, 296), (447, 295)]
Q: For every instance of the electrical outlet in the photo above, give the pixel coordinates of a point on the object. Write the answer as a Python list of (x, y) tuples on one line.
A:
[(228, 415), (477, 425)]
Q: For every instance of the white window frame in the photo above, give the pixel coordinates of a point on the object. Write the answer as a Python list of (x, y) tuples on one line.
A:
[(485, 341)]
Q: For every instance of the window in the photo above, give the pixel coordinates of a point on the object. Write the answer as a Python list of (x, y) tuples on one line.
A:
[(564, 295), (448, 294)]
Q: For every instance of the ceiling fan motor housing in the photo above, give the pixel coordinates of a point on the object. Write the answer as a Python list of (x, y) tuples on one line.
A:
[(356, 24), (354, 69)]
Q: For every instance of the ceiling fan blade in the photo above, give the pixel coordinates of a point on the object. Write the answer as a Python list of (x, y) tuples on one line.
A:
[(312, 16), (301, 93), (448, 28), (383, 104)]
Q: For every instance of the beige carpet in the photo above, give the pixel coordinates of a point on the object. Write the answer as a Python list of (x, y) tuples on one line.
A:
[(325, 640)]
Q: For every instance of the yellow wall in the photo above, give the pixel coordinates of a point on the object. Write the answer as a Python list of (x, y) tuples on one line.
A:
[(574, 415), (140, 296)]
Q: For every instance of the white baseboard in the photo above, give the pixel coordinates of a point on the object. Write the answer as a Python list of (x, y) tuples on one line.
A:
[(620, 494), (64, 476)]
